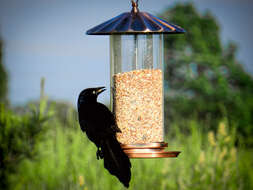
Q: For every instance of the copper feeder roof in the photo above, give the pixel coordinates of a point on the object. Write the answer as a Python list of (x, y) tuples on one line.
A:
[(135, 22)]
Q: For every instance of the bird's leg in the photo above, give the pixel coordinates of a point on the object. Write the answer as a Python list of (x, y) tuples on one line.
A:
[(99, 154)]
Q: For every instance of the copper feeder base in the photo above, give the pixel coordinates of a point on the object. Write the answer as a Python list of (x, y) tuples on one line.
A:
[(148, 150)]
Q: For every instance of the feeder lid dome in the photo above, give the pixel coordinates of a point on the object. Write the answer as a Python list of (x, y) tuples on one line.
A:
[(135, 22)]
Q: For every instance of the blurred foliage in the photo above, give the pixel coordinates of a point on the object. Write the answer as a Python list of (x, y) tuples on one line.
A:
[(204, 80), (61, 156), (67, 160), (3, 77), (19, 135), (64, 111)]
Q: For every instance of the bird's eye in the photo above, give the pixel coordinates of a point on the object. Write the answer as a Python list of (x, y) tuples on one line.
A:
[(93, 92)]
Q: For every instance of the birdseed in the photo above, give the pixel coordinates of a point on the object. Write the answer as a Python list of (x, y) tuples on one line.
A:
[(138, 106)]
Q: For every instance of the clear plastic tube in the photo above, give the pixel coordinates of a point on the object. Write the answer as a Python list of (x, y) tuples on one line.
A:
[(137, 87)]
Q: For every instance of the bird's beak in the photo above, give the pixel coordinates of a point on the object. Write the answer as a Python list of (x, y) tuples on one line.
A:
[(100, 90)]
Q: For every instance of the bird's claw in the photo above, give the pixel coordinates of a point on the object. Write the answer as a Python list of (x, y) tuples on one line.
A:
[(99, 154)]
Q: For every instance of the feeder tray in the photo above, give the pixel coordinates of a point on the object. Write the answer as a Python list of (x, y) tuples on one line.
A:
[(149, 150)]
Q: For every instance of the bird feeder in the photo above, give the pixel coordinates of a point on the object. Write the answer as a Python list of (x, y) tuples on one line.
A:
[(136, 62)]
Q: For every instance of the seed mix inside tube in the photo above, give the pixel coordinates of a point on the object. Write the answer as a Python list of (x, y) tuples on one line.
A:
[(138, 101)]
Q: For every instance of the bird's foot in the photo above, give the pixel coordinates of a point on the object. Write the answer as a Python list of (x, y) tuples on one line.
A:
[(99, 154)]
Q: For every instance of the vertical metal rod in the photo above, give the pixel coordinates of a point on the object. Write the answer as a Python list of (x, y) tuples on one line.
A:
[(111, 71), (161, 66), (149, 54), (135, 61), (161, 52)]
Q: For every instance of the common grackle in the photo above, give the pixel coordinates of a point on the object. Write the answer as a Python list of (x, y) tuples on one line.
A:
[(99, 124)]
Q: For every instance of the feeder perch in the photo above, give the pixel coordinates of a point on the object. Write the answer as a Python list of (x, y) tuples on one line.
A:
[(136, 63)]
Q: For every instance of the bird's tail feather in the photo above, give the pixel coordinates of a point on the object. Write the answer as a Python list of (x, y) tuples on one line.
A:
[(116, 161)]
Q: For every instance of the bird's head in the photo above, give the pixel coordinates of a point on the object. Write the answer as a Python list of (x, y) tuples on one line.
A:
[(90, 94)]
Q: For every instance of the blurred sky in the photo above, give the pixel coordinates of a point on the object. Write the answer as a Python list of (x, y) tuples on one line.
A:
[(46, 38)]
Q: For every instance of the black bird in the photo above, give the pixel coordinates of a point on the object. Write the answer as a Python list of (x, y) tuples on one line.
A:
[(99, 124)]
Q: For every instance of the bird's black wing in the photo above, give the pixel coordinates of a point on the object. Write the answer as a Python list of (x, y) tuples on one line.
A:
[(99, 124), (108, 117), (115, 160), (97, 121)]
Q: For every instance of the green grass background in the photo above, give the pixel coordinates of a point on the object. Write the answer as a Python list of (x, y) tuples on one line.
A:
[(65, 159)]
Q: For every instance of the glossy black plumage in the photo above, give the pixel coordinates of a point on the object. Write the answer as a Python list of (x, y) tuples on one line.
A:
[(97, 121)]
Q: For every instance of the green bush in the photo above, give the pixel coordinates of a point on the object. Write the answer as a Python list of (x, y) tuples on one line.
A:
[(19, 135), (3, 77), (67, 160), (204, 79)]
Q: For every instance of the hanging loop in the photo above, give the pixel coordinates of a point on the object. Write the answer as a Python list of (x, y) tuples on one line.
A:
[(135, 6), (136, 2)]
